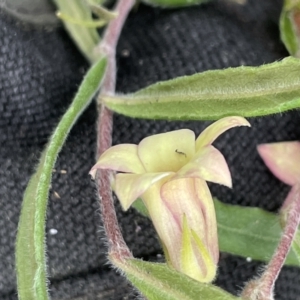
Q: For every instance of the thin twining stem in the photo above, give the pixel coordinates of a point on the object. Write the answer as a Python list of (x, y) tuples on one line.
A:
[(263, 287), (116, 243)]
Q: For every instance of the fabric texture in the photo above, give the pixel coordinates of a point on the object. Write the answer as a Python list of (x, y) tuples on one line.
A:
[(40, 71)]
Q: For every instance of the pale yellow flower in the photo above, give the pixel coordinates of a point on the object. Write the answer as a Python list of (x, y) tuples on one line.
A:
[(168, 171)]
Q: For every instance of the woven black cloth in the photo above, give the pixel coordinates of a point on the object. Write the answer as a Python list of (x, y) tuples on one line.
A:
[(40, 71)]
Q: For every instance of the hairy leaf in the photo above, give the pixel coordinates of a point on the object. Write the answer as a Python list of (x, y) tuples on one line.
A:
[(249, 232), (242, 91), (30, 246), (157, 281)]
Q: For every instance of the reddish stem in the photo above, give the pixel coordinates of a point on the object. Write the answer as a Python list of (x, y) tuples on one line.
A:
[(116, 243), (290, 229), (263, 288)]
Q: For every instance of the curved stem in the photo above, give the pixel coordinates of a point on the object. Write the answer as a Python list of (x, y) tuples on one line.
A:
[(116, 243), (263, 287), (275, 265)]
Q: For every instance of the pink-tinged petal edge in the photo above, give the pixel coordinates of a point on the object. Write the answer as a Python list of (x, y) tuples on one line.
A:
[(191, 197), (208, 164), (212, 132), (122, 158), (128, 187), (167, 225), (283, 159), (167, 152)]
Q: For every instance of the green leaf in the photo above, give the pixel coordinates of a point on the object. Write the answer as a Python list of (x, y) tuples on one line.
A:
[(174, 3), (85, 38), (249, 232), (140, 207), (243, 91), (30, 247), (296, 246), (157, 281), (290, 26), (246, 231)]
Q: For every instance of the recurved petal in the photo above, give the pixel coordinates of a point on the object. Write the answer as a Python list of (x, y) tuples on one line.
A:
[(208, 136), (167, 151), (283, 159), (128, 187), (208, 164), (122, 158)]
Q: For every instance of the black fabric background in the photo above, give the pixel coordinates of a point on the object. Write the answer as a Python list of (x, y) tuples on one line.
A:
[(40, 71)]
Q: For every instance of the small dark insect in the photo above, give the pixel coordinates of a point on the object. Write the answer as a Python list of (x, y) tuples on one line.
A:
[(179, 152)]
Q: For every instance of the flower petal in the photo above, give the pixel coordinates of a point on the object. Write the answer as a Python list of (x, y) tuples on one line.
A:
[(167, 151), (208, 164), (166, 225), (211, 266), (208, 136), (128, 187), (283, 159), (191, 197), (122, 158), (195, 260)]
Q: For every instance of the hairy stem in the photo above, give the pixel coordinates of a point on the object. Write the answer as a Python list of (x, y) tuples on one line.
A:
[(116, 243), (263, 287)]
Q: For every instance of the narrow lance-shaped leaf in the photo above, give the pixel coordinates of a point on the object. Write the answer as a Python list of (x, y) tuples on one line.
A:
[(290, 26), (30, 247), (244, 91), (157, 281), (246, 231)]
